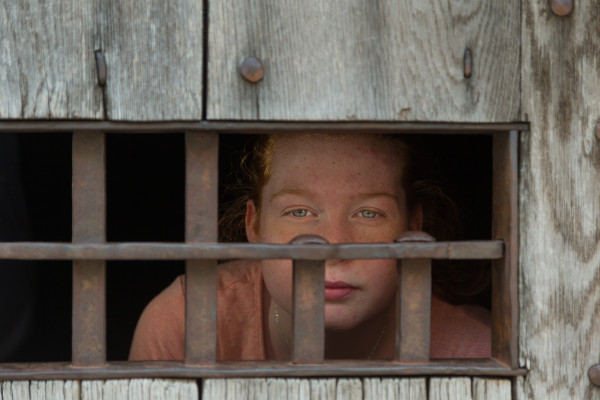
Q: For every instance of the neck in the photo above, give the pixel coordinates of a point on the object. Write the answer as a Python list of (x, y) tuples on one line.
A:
[(373, 339)]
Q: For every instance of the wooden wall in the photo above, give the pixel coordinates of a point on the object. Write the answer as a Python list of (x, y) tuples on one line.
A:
[(344, 60), (261, 389), (560, 201)]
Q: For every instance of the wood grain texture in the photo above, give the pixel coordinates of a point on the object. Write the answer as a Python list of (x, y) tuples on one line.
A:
[(153, 53), (450, 388), (48, 67), (350, 59), (395, 388), (140, 389), (560, 202), (492, 389)]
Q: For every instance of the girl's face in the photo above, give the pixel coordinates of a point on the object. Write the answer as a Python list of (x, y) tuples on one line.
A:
[(346, 189)]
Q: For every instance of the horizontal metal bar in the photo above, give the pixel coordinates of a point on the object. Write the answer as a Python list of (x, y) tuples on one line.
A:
[(252, 127), (254, 369), (482, 250)]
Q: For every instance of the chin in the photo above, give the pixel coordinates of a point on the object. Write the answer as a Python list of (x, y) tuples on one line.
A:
[(340, 325)]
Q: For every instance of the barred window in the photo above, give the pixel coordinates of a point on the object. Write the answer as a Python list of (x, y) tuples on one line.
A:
[(145, 209)]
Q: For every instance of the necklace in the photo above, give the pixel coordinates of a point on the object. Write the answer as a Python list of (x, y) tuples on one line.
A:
[(286, 340)]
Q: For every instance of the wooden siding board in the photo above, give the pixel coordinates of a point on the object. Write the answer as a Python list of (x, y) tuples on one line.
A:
[(560, 202), (48, 67), (492, 389), (450, 388), (350, 59), (153, 52), (395, 388)]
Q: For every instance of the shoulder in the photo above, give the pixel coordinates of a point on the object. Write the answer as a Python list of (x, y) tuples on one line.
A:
[(159, 334), (460, 331)]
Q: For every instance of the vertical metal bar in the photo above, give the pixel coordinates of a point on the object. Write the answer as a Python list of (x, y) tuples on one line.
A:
[(308, 297), (201, 210), (413, 304), (89, 226), (505, 225)]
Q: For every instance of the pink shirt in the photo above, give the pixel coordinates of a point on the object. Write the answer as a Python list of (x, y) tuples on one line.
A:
[(456, 331)]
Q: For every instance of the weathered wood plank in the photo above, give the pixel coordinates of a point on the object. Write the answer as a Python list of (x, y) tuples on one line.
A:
[(450, 389), (560, 202), (350, 59), (153, 52), (48, 67), (492, 389), (140, 389), (18, 390), (349, 389), (395, 388)]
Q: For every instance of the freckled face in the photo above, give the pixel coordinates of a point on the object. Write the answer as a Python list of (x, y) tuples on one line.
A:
[(346, 189)]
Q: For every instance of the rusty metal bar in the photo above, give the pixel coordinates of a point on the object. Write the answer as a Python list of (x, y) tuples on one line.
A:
[(413, 303), (174, 369), (177, 369), (484, 250), (201, 210), (89, 226), (308, 297), (259, 127), (308, 344), (505, 226), (414, 309)]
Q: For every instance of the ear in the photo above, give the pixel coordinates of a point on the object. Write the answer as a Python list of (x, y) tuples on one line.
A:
[(415, 222), (251, 222)]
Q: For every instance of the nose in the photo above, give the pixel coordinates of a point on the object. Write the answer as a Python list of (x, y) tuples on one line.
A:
[(336, 231)]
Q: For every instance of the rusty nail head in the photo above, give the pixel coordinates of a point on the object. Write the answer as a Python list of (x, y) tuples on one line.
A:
[(101, 68), (252, 69), (562, 8), (468, 63), (598, 130), (594, 374)]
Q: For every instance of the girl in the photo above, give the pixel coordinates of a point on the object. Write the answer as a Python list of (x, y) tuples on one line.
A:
[(347, 189)]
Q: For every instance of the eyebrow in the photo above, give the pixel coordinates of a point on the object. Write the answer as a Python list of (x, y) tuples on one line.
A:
[(362, 196)]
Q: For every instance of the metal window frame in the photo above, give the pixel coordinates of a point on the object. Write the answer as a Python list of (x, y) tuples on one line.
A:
[(89, 252)]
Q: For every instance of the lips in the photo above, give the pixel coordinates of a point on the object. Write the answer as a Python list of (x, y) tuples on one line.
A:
[(338, 290)]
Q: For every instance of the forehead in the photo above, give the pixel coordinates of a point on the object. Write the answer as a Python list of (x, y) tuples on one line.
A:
[(341, 155)]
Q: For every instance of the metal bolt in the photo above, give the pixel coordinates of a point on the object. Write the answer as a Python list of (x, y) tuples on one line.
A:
[(101, 68), (309, 239), (594, 374), (252, 69), (414, 236), (562, 8), (468, 63)]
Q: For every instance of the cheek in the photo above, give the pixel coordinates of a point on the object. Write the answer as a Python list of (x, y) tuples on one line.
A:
[(382, 278), (277, 275)]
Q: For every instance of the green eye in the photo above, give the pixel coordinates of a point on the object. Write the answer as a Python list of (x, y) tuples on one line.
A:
[(368, 214), (300, 213)]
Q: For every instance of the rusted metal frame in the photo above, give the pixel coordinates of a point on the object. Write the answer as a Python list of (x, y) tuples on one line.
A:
[(505, 226), (259, 127), (177, 369), (201, 210), (89, 226), (486, 250)]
